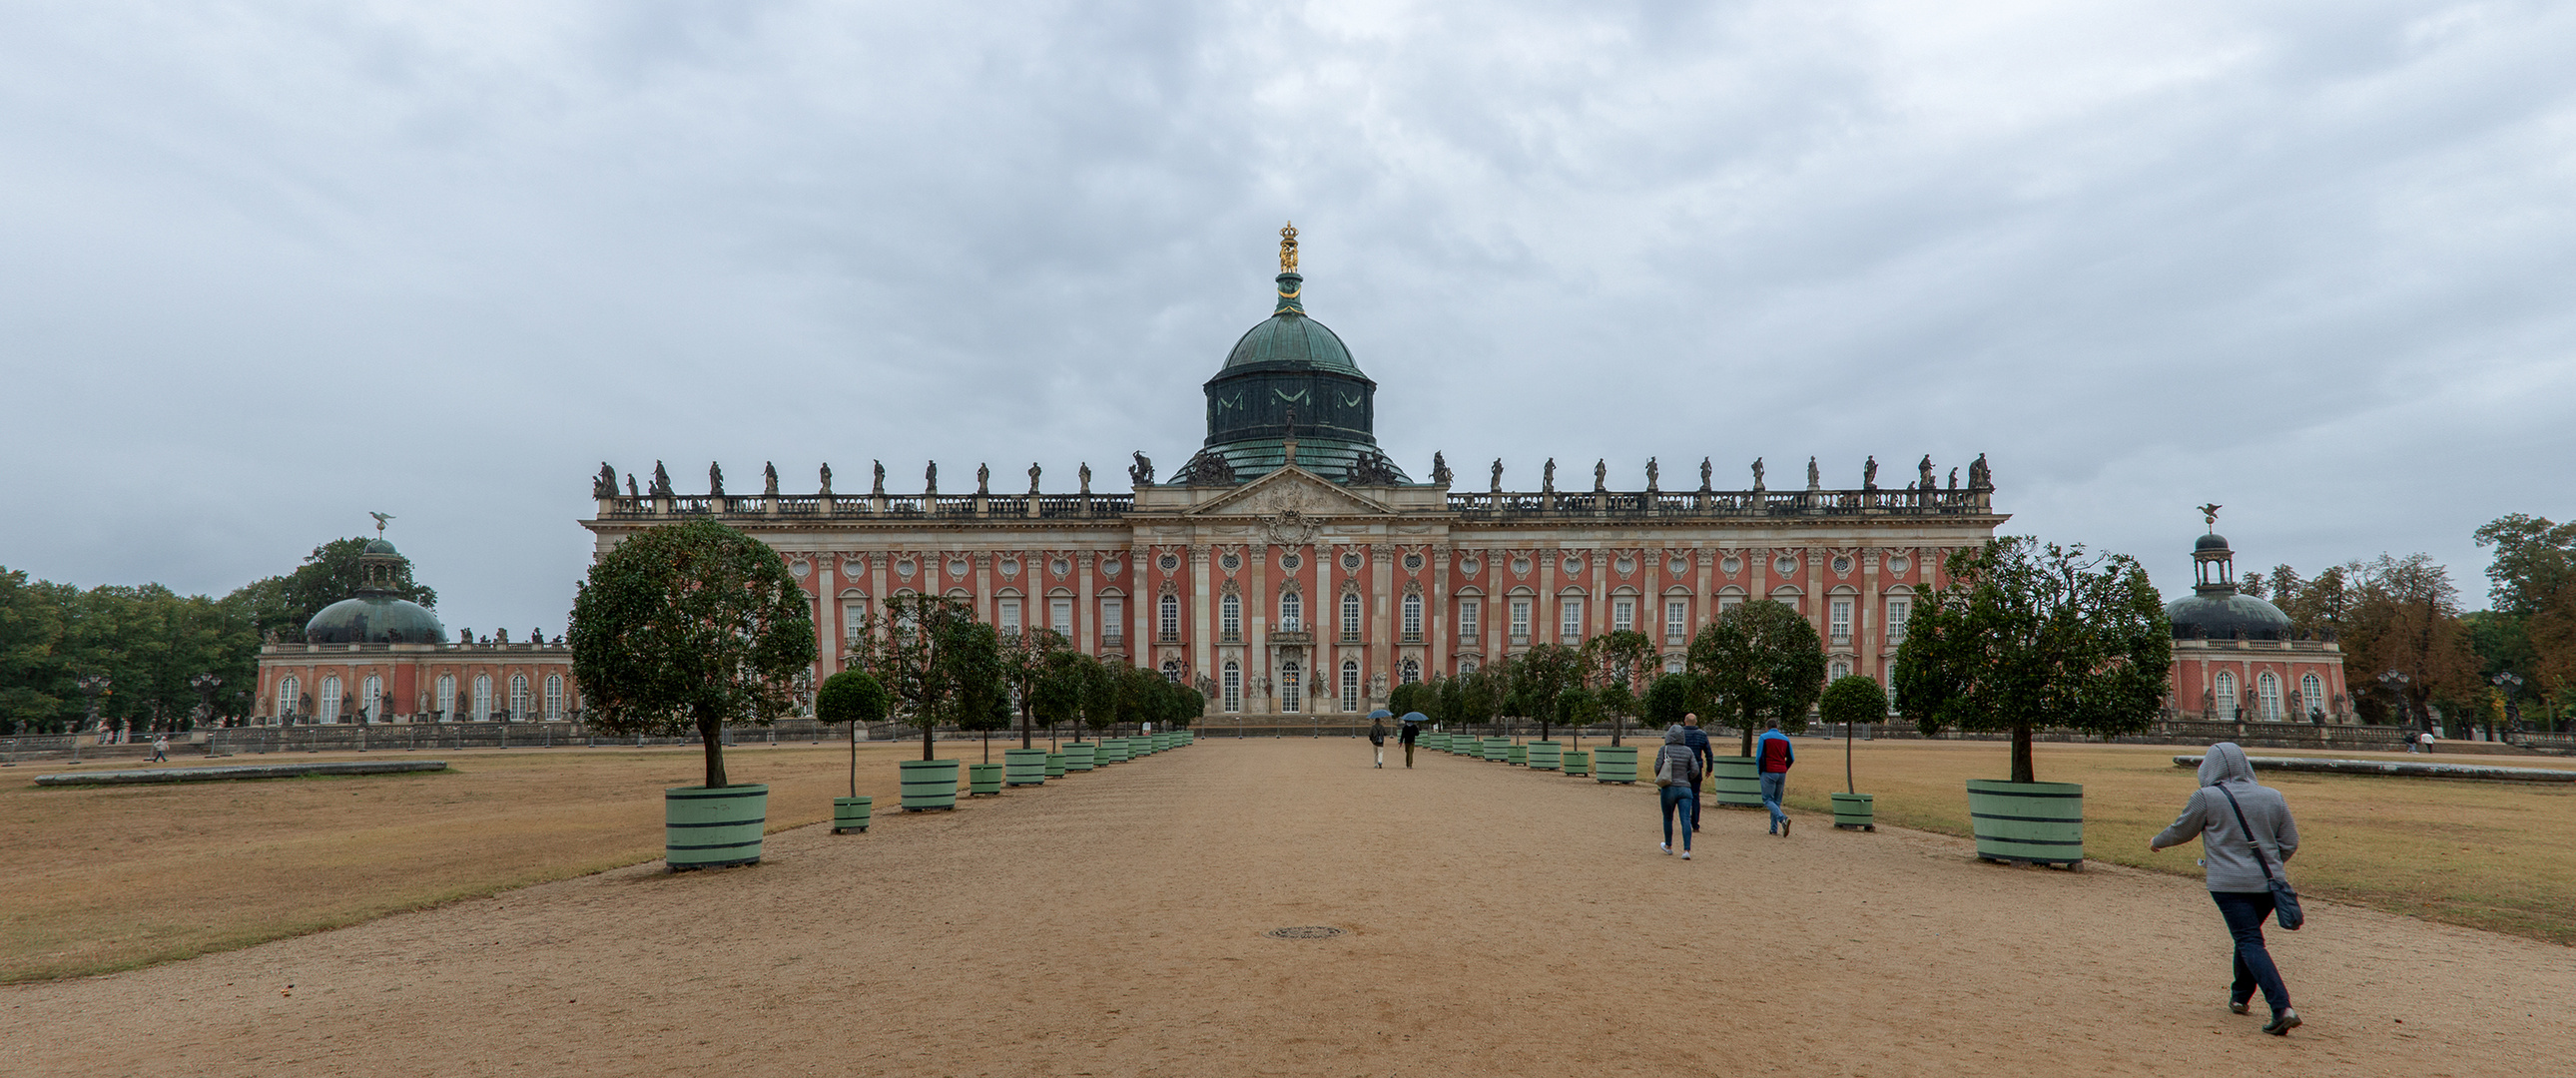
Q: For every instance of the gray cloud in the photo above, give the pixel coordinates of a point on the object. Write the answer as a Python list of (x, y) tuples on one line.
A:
[(263, 269)]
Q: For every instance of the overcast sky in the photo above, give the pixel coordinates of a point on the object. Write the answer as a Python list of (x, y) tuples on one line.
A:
[(267, 266)]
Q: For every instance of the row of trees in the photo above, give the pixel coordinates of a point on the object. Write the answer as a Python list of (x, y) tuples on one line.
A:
[(2404, 615)]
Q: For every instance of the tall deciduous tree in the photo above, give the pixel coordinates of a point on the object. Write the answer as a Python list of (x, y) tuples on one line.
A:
[(1540, 677), (690, 625), (282, 604), (1760, 660), (2405, 617), (2532, 583), (1614, 663), (1027, 657), (2027, 635)]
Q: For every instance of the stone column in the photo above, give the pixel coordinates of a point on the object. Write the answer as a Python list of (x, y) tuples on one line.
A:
[(1257, 607), (1381, 636), (1543, 623), (985, 610), (1439, 612), (1599, 615), (1704, 593), (1085, 618), (1868, 635), (1202, 629), (1816, 590)]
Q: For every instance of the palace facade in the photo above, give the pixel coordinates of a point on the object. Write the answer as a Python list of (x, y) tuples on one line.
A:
[(1290, 568)]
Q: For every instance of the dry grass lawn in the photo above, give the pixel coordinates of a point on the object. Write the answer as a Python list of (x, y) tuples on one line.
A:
[(2491, 855), (114, 877), (117, 877)]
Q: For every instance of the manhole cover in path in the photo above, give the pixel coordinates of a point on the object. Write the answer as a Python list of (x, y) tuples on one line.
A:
[(1304, 932)]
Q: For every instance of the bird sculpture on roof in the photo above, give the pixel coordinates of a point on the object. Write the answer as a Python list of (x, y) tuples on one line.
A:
[(2209, 514), (381, 518)]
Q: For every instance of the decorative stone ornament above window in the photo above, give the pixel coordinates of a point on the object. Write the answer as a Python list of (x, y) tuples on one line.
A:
[(1470, 565), (1785, 565), (903, 567), (1626, 564), (1573, 565), (1900, 564), (1060, 567), (1169, 562), (1291, 562), (1842, 565), (1010, 567), (1520, 566), (1229, 561), (1731, 564), (957, 568), (1351, 560), (1413, 561), (1109, 567), (1677, 565), (800, 567)]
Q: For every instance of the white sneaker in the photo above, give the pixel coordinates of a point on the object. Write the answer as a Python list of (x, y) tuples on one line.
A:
[(1666, 847), (1685, 855)]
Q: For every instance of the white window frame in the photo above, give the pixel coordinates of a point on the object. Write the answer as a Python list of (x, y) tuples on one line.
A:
[(1520, 624), (518, 697), (1900, 609), (1412, 607), (1623, 614), (1352, 614), (1410, 671), (1291, 687), (1471, 618), (371, 698), (482, 697), (1113, 620), (1839, 619), (329, 708), (1676, 621), (2312, 692), (1569, 620), (1229, 616), (1170, 613), (1351, 685), (1006, 615), (1292, 612), (554, 698), (2267, 695), (446, 697), (2223, 689), (1060, 614), (1233, 687)]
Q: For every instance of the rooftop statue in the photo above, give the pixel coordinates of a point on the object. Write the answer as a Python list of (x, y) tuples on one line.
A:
[(879, 488), (1954, 478), (1815, 480), (1439, 468), (715, 479), (631, 492), (1287, 252), (464, 636), (827, 479), (1547, 476), (1704, 474), (1869, 474), (1979, 476), (661, 481), (1653, 471), (1085, 475), (1141, 472), (1757, 475), (930, 478), (2209, 515), (1600, 475), (1498, 475), (983, 479), (606, 485), (1033, 477), (769, 478), (1925, 481)]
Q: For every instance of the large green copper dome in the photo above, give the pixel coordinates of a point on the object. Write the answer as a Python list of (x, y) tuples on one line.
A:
[(1290, 379), (376, 615)]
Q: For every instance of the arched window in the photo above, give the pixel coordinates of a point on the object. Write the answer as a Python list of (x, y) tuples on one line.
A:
[(482, 697), (2225, 692), (371, 699), (287, 690), (1288, 678), (1292, 613), (1674, 663), (1350, 615), (1170, 614), (519, 697), (446, 698), (554, 698), (1840, 671), (1413, 616), (331, 699), (1229, 616), (2267, 692), (1412, 671), (1351, 685), (1172, 671), (1233, 685), (2312, 694)]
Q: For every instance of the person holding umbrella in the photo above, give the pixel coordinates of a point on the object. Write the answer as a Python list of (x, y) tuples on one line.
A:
[(1377, 732), (1413, 721)]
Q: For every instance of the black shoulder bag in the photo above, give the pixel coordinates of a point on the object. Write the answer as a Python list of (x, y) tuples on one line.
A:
[(2285, 902)]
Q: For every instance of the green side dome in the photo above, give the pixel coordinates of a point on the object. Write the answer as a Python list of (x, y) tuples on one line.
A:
[(374, 619)]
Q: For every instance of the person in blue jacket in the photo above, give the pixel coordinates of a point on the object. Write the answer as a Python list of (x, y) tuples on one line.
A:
[(1696, 740), (1771, 757)]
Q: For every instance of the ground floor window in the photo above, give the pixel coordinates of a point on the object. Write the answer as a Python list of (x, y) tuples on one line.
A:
[(482, 697), (554, 698), (371, 699), (1288, 673), (1350, 685), (1233, 686), (287, 690), (330, 699), (1412, 671)]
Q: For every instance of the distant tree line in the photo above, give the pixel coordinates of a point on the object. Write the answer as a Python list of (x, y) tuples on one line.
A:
[(151, 644)]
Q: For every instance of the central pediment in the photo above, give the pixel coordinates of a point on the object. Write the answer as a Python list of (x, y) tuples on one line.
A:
[(1292, 492)]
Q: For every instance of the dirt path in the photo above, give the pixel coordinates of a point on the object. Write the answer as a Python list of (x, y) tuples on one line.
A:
[(1499, 922)]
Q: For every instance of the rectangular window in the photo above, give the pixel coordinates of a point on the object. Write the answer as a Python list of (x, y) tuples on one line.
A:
[(1171, 617), (1229, 617), (1728, 602), (1623, 615), (1060, 615), (1569, 622), (854, 615), (1899, 609), (1233, 687), (1113, 620), (1413, 617), (1676, 620), (447, 697), (1520, 620), (1470, 623), (554, 698), (1350, 685), (1350, 615), (1009, 618), (1292, 613), (1841, 620)]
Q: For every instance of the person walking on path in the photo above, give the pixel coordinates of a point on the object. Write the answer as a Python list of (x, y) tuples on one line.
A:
[(1773, 755), (1377, 737), (2239, 872), (160, 748), (1410, 729), (1677, 780), (1697, 740)]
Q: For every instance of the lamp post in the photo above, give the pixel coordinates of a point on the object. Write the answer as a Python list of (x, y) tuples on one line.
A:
[(2395, 681), (2511, 683), (206, 684), (93, 687)]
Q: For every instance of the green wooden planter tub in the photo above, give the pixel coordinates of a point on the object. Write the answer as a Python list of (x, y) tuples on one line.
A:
[(1516, 755), (1116, 750), (1546, 755), (2037, 823), (983, 779), (1024, 767), (704, 828), (851, 813), (1615, 763), (1854, 812), (1497, 749), (1055, 765), (1578, 763), (1080, 756), (929, 784), (1733, 783)]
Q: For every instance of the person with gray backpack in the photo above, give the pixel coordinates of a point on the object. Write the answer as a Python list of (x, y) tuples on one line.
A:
[(2246, 840)]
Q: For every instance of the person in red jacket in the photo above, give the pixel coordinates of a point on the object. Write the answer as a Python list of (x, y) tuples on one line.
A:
[(1772, 756)]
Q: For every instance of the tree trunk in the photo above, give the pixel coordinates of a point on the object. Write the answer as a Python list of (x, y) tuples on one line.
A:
[(712, 733), (2021, 770), (927, 726), (1028, 736), (1748, 732), (854, 758)]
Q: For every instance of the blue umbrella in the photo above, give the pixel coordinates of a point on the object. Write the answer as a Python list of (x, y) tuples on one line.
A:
[(1415, 716), (1381, 713)]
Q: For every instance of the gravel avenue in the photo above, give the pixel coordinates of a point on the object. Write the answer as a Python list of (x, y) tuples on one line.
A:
[(1492, 921)]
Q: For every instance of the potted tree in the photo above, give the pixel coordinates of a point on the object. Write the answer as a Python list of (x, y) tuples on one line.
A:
[(1027, 660), (854, 697), (2022, 636), (1757, 662), (1540, 678), (690, 626), (1612, 663), (940, 666), (1850, 701)]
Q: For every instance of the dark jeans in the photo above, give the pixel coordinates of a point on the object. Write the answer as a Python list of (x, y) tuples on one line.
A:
[(1775, 785), (1694, 806), (2245, 911), (1681, 797)]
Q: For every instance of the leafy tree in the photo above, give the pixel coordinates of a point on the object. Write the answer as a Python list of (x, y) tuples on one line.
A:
[(1450, 706), (1480, 694), (1410, 697), (1027, 657), (282, 604), (942, 667), (1056, 698), (2025, 635), (1099, 696), (854, 697), (1541, 677), (691, 624), (1851, 700), (1669, 698), (2532, 583), (1140, 694), (1760, 661), (2405, 616), (1613, 665)]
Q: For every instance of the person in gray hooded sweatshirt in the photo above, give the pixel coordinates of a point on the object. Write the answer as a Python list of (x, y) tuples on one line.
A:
[(1677, 776), (2236, 879)]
